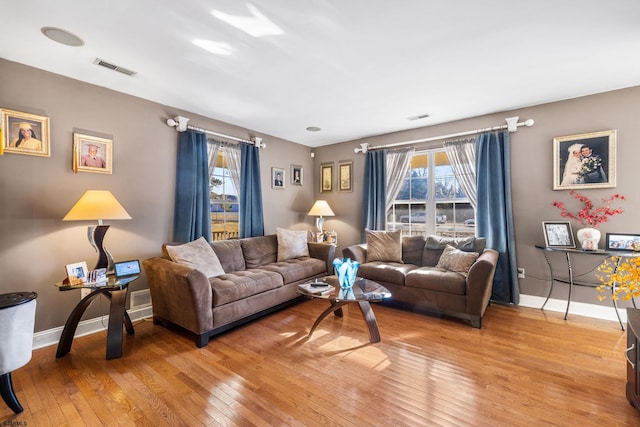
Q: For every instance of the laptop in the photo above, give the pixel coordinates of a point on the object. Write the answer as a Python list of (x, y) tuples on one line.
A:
[(127, 268)]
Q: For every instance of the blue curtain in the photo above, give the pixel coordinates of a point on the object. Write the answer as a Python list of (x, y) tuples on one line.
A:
[(494, 215), (251, 218), (373, 195), (192, 217)]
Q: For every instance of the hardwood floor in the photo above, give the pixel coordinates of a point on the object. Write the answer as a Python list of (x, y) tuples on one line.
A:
[(525, 367)]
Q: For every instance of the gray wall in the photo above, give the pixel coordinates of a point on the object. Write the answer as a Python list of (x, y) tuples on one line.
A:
[(36, 192), (532, 177)]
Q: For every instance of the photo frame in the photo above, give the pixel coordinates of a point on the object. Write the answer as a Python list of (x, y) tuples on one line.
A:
[(92, 154), (297, 176), (77, 273), (558, 234), (326, 177), (345, 173), (25, 133), (622, 242), (277, 178), (584, 161)]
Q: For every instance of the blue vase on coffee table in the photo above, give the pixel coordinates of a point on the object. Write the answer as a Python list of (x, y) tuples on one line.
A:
[(346, 270)]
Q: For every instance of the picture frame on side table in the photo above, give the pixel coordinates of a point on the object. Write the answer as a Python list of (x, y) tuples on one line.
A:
[(277, 178), (345, 173), (77, 273), (584, 161), (326, 177), (92, 154), (297, 177), (558, 234), (622, 242), (24, 133)]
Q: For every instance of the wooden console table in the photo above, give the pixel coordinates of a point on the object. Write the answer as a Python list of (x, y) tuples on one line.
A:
[(570, 279)]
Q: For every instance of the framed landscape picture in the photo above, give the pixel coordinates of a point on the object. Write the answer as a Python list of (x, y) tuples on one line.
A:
[(25, 133), (326, 177), (583, 161), (345, 171)]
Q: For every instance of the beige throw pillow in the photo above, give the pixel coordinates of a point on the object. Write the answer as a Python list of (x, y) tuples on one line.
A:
[(385, 246), (198, 255), (453, 259), (291, 244)]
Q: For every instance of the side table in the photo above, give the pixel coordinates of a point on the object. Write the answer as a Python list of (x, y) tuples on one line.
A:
[(116, 291)]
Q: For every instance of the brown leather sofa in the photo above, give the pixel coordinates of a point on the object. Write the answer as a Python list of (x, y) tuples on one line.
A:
[(254, 283), (417, 283)]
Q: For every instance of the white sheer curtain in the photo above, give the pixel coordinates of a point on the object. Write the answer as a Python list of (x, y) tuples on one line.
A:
[(232, 155), (397, 166), (462, 156)]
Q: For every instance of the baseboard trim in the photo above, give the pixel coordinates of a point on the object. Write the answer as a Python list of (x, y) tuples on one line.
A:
[(86, 327), (577, 308)]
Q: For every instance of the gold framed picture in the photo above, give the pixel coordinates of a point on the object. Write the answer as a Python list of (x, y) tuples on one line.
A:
[(326, 177), (297, 177), (92, 154), (345, 169), (25, 133)]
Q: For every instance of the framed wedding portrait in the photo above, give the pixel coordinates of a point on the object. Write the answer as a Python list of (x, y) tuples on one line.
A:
[(25, 133), (92, 154), (326, 177), (345, 172), (296, 175), (558, 234), (584, 161)]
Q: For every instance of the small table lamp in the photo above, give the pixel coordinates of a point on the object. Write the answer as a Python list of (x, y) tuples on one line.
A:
[(98, 205), (320, 208)]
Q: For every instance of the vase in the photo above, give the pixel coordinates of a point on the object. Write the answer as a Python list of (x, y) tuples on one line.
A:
[(346, 271), (588, 238)]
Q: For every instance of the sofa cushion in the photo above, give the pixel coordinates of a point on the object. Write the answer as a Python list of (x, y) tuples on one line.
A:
[(291, 244), (198, 255), (259, 250), (436, 279), (230, 254), (453, 259), (384, 246), (239, 285), (434, 245), (298, 269), (412, 248), (389, 272)]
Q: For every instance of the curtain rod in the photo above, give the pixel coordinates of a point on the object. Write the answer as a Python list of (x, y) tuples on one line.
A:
[(180, 123), (512, 125)]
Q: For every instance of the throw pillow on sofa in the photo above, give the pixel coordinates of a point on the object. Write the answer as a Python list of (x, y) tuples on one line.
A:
[(453, 259), (198, 255), (385, 246), (291, 244)]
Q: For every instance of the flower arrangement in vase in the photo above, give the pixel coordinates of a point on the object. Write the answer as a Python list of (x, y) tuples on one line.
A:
[(590, 216), (621, 276)]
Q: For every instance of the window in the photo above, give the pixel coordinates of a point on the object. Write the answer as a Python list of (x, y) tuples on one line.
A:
[(224, 200), (431, 201)]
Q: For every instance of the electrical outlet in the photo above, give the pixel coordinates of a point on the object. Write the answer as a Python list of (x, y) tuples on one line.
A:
[(520, 273), (84, 292)]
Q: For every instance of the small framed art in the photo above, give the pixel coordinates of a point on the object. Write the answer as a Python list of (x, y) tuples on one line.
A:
[(296, 175), (277, 178), (623, 242), (77, 273), (92, 154), (326, 177), (558, 234), (25, 133), (586, 160), (345, 169)]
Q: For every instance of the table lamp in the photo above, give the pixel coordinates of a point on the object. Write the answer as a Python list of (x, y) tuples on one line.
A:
[(98, 205), (320, 208)]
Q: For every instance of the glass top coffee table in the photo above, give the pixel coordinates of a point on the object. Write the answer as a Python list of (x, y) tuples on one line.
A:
[(363, 292)]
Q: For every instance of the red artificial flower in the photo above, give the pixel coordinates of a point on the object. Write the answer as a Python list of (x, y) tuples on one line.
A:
[(589, 215)]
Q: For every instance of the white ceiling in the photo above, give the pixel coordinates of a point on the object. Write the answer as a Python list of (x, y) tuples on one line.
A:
[(355, 68)]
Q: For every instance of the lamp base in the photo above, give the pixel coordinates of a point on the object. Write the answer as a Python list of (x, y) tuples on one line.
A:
[(319, 224), (96, 237)]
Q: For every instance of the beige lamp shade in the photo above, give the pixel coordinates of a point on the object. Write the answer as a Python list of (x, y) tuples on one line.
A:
[(96, 205), (321, 208)]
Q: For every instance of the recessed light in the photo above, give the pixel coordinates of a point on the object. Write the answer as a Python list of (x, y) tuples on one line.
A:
[(62, 36), (314, 129)]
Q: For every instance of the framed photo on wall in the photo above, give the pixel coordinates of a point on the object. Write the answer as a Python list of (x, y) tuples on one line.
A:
[(296, 175), (623, 242), (326, 177), (558, 234), (345, 170), (25, 133), (277, 178), (92, 154), (583, 161)]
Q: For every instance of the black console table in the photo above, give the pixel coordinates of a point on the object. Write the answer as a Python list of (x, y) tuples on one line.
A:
[(570, 278)]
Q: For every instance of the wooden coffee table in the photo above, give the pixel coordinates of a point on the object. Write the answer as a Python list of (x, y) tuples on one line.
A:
[(363, 292)]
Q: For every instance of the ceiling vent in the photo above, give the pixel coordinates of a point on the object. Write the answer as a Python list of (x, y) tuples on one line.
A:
[(113, 67)]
